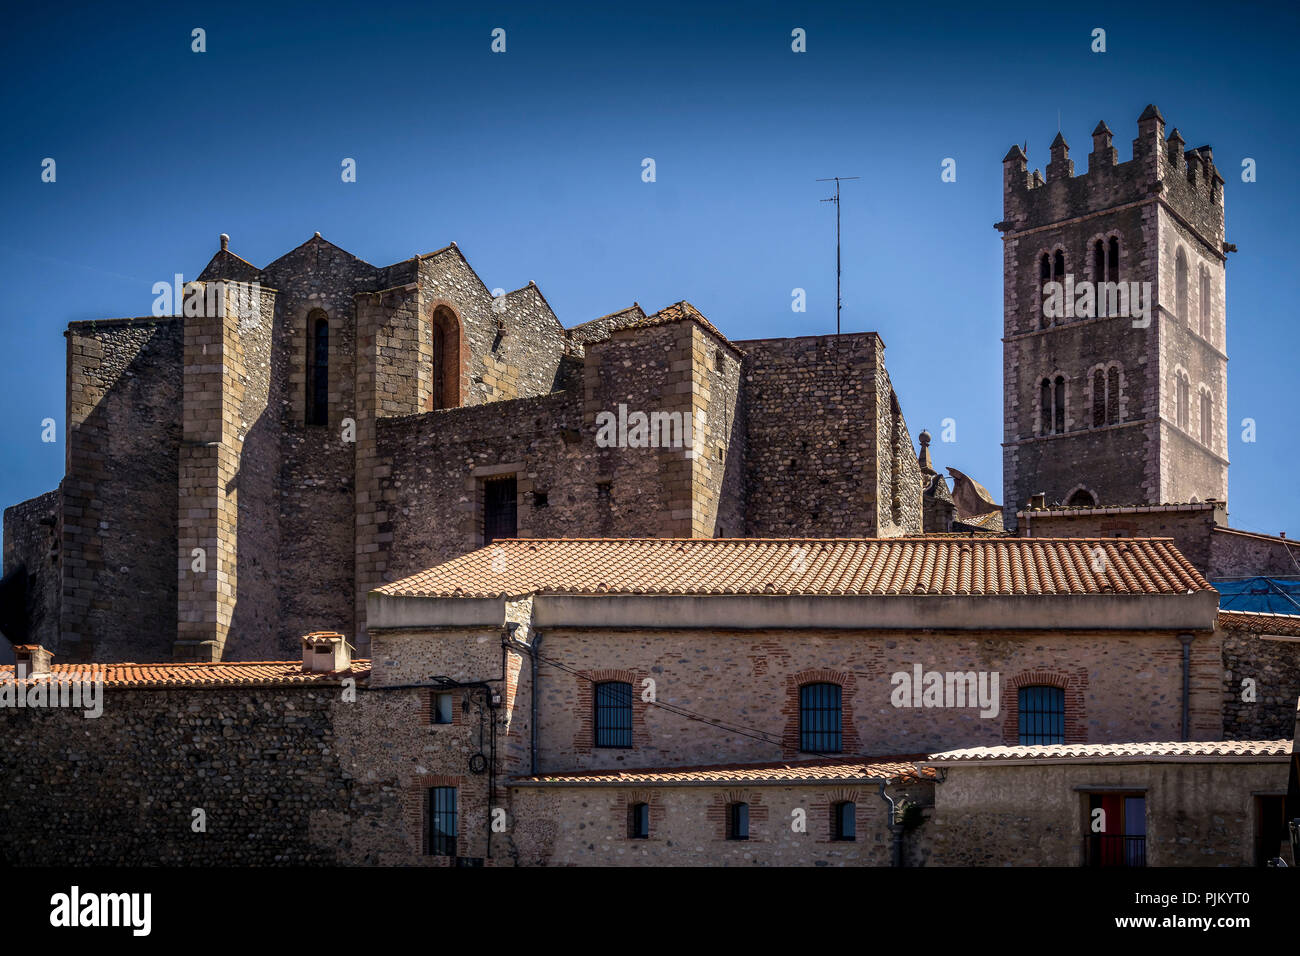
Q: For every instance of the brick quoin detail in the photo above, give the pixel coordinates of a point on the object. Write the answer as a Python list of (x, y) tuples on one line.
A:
[(413, 796), (584, 741), (848, 682), (717, 812), (1076, 691)]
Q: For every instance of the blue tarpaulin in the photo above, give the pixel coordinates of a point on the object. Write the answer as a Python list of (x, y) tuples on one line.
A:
[(1262, 595)]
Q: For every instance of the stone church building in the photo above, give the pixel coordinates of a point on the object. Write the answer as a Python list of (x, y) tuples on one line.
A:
[(452, 584), (247, 471)]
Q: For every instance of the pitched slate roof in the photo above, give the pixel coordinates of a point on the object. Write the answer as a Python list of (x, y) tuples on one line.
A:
[(820, 566), (1258, 622), (1171, 749), (825, 770), (223, 674)]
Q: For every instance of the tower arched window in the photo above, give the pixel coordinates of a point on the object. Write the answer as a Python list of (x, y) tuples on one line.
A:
[(1207, 418), (1205, 302), (1180, 286), (1112, 259), (318, 368), (1182, 401), (1051, 268), (1106, 386), (1058, 401), (1051, 402)]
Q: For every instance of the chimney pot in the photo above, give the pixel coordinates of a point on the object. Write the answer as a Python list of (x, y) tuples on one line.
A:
[(324, 652), (31, 660)]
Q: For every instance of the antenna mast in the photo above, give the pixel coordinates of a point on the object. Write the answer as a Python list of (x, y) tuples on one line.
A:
[(836, 199)]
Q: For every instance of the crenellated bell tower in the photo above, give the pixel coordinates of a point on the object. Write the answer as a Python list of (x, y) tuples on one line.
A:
[(1114, 362)]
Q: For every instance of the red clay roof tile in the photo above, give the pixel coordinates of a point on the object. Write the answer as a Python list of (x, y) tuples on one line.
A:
[(839, 566)]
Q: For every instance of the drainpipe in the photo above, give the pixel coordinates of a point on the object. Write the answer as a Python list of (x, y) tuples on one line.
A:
[(895, 829), (1187, 684)]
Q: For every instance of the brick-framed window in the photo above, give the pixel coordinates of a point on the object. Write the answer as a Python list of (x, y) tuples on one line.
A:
[(738, 821), (441, 707), (722, 814), (1040, 709), (638, 821), (586, 682), (613, 714), (821, 718), (1074, 687), (829, 807), (844, 821), (441, 821), (814, 712), (641, 813), (427, 816)]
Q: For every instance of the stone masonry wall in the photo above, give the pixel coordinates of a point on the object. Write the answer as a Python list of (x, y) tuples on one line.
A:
[(587, 826), (1273, 668), (1198, 814), (119, 502), (31, 541), (262, 762), (811, 428)]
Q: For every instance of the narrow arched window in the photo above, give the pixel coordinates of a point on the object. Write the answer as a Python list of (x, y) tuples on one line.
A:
[(1099, 261), (1182, 400), (318, 368), (1045, 407), (1207, 419), (1058, 272), (1112, 260), (1112, 395), (1205, 303), (444, 390), (738, 821), (638, 821), (844, 820), (1058, 401), (1180, 286), (1098, 398)]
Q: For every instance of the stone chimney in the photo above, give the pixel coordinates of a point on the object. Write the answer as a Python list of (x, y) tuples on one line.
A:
[(324, 652), (31, 660), (1038, 502)]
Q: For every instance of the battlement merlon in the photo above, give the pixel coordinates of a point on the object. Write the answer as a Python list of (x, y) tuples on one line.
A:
[(1186, 181)]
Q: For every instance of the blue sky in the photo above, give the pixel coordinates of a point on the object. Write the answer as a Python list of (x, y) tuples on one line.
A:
[(531, 161)]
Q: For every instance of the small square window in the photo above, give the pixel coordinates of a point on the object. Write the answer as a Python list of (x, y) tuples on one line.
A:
[(539, 499), (441, 711)]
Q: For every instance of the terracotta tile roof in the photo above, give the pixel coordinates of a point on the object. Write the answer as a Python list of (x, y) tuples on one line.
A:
[(1260, 622), (1173, 749), (223, 674), (828, 566), (824, 770)]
